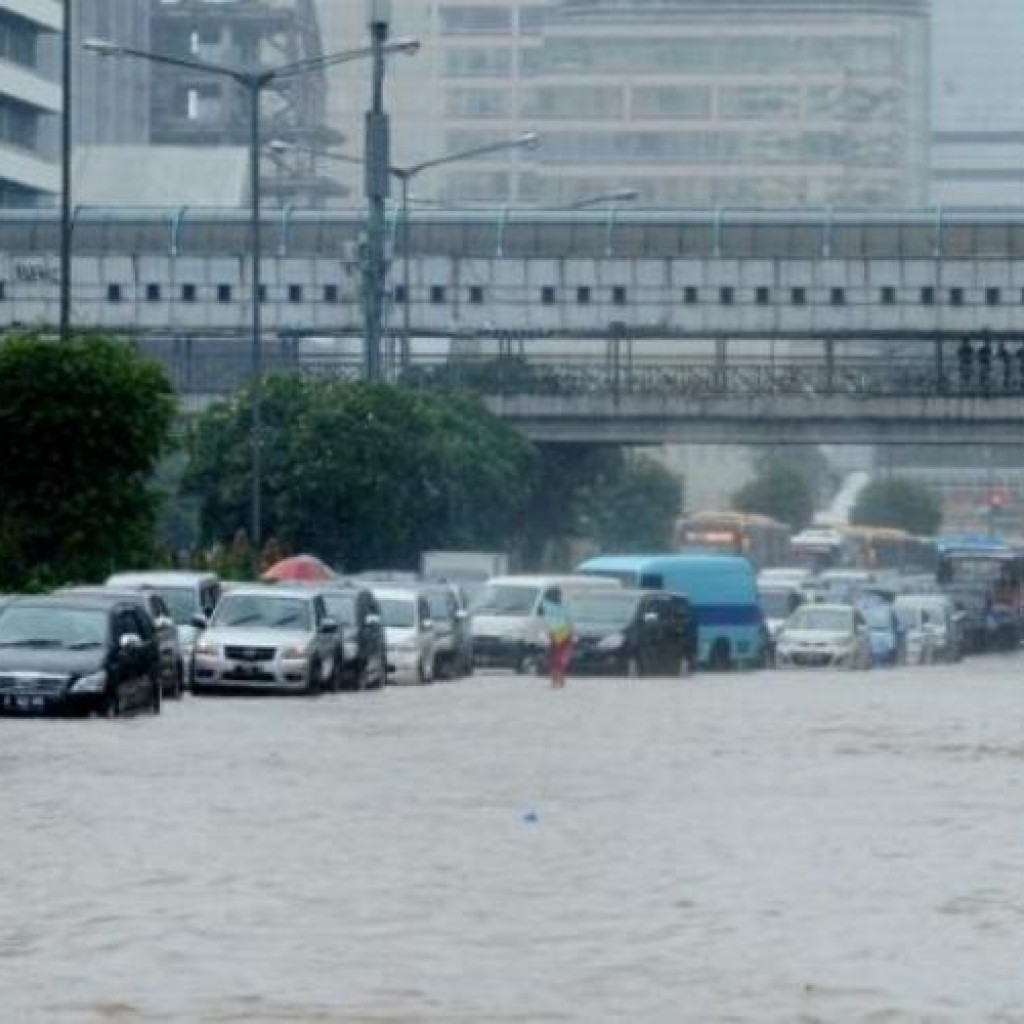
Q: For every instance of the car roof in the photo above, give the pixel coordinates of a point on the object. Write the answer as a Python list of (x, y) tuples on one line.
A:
[(106, 595), (272, 590), (162, 576), (827, 607), (394, 590), (56, 600)]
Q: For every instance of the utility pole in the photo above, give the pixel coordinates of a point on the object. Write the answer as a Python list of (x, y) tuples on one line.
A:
[(378, 187), (65, 175)]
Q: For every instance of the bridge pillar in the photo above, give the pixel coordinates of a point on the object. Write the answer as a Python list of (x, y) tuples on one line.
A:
[(830, 364), (616, 336)]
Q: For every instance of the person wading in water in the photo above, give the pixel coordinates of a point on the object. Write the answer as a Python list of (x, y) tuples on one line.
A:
[(560, 636)]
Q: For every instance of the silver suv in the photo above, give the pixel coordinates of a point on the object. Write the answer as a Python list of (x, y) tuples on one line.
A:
[(268, 638)]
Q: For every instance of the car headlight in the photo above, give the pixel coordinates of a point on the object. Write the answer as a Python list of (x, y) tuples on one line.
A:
[(203, 648), (295, 651), (612, 642), (95, 682)]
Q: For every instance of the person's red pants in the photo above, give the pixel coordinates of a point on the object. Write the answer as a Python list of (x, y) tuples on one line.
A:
[(559, 657)]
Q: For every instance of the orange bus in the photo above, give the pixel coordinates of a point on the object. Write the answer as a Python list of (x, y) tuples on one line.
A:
[(765, 541)]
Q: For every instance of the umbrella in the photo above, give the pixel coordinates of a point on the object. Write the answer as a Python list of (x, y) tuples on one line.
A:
[(299, 567)]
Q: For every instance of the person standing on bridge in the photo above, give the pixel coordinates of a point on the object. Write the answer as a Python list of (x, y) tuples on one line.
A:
[(1006, 362), (965, 360), (985, 366)]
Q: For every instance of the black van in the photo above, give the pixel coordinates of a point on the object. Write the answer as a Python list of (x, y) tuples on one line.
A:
[(632, 632)]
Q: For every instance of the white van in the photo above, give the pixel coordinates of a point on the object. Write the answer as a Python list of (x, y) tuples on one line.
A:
[(508, 629)]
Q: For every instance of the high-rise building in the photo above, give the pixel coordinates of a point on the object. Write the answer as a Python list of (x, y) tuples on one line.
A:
[(111, 98), (978, 98), (695, 102), (30, 100)]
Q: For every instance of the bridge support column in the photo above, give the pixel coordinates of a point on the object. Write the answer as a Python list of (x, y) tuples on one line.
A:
[(830, 365)]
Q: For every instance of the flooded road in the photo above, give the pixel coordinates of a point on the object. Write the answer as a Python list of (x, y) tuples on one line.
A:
[(761, 847)]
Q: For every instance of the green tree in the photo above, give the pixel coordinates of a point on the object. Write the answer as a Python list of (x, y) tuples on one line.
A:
[(780, 490), (83, 425), (899, 503), (635, 509), (363, 475)]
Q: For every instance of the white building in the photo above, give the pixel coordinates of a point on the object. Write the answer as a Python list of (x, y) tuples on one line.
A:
[(978, 102), (30, 99)]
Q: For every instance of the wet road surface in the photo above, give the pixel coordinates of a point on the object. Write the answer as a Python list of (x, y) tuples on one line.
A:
[(760, 847)]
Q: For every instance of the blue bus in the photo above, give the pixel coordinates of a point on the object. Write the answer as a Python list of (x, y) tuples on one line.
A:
[(721, 589)]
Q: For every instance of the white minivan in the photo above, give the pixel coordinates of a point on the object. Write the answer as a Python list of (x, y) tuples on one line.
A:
[(408, 632), (508, 628)]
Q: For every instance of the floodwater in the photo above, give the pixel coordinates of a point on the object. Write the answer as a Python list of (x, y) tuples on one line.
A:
[(759, 847)]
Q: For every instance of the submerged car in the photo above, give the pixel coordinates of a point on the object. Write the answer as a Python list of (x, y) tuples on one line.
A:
[(188, 595), (885, 633), (268, 638), (933, 626), (821, 635), (632, 632), (77, 656), (364, 664), (409, 632)]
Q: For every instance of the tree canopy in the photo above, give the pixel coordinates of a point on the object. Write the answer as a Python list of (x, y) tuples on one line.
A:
[(780, 490), (900, 503), (82, 427), (364, 475)]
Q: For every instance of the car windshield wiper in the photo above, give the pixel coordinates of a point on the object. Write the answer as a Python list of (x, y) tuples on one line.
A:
[(287, 620), (81, 645), (245, 620), (38, 641)]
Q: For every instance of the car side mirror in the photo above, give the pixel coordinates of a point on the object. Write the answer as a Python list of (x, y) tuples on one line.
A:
[(373, 620), (199, 621), (650, 616), (329, 626), (130, 641), (163, 622), (461, 615)]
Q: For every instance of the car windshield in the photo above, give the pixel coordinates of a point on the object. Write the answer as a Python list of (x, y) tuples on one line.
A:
[(506, 599), (182, 602), (341, 607), (439, 607), (35, 626), (263, 611), (602, 609), (830, 620), (776, 604), (397, 612)]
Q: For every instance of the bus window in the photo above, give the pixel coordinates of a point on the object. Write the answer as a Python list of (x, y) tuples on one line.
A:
[(652, 581)]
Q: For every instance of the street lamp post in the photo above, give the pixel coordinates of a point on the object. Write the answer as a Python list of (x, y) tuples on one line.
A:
[(404, 176), (253, 81), (65, 176)]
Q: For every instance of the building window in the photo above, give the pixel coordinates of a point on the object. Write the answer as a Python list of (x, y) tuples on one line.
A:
[(726, 296), (437, 294), (619, 295), (294, 293), (583, 295), (956, 296), (547, 295), (223, 293), (888, 295), (928, 296), (837, 296), (331, 294), (152, 293), (992, 296), (400, 294), (113, 293), (798, 296), (188, 293), (690, 295), (763, 296), (263, 293), (476, 295)]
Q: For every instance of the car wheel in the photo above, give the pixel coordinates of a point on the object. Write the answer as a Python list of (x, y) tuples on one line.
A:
[(685, 666), (113, 705), (156, 699), (179, 681), (314, 680), (633, 667)]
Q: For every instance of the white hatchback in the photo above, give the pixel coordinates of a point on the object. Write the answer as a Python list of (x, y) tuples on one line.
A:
[(820, 635)]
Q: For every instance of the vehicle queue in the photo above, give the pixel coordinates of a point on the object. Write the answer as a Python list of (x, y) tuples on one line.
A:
[(139, 638)]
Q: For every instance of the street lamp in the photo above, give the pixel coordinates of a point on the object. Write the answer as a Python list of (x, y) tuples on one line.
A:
[(404, 175), (253, 81)]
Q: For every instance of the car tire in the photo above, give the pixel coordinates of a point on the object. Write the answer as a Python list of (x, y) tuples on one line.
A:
[(179, 681), (634, 669), (157, 700), (685, 666), (314, 680), (113, 704)]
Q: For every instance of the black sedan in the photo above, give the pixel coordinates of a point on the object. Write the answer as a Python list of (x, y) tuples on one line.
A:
[(64, 655), (632, 632)]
